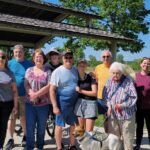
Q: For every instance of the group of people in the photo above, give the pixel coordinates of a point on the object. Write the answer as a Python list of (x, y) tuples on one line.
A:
[(29, 88)]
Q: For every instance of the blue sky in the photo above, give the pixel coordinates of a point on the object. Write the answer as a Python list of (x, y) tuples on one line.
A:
[(127, 55)]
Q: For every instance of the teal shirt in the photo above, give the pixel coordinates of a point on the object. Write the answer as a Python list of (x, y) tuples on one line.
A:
[(19, 69)]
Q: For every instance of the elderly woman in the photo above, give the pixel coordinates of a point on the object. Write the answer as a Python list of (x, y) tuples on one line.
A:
[(37, 80), (120, 96), (8, 96), (143, 103)]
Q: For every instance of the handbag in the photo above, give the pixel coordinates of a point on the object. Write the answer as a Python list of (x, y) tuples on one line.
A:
[(102, 106)]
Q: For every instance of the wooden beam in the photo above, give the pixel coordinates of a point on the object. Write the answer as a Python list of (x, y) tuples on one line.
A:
[(46, 28), (60, 18), (21, 29), (114, 49), (58, 29), (44, 40), (12, 43), (52, 8)]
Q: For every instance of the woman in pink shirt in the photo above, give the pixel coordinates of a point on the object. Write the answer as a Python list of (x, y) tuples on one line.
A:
[(143, 102), (37, 105)]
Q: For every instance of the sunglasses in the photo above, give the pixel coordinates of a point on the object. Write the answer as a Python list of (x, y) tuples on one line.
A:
[(3, 57), (105, 56), (70, 57)]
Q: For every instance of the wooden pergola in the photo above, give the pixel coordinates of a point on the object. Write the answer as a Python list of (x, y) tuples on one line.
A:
[(33, 23)]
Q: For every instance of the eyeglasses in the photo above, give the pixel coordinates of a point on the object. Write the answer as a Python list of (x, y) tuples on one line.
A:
[(3, 57), (68, 57), (105, 56)]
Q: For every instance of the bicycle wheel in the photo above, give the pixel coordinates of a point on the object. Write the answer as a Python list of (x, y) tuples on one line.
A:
[(50, 126)]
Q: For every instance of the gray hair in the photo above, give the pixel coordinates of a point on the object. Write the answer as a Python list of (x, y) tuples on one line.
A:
[(118, 66), (107, 52), (19, 46), (1, 51)]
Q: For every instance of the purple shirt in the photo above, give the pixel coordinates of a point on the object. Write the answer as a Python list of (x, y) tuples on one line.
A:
[(37, 82), (125, 95), (143, 90)]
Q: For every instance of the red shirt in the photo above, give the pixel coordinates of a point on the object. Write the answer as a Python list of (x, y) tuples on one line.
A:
[(143, 90)]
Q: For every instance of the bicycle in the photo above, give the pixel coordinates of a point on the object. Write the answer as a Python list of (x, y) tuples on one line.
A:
[(50, 125)]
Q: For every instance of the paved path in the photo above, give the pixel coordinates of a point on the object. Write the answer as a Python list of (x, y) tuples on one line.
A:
[(50, 143)]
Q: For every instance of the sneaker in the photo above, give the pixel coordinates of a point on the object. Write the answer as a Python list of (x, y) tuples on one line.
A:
[(72, 148), (136, 148), (10, 144), (23, 144)]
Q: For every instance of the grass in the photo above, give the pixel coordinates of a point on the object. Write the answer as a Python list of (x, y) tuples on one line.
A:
[(99, 121)]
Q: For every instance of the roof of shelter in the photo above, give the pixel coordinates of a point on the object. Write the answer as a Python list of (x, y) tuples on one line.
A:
[(34, 23), (40, 10)]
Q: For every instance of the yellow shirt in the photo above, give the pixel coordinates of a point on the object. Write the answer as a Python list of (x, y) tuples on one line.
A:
[(102, 74)]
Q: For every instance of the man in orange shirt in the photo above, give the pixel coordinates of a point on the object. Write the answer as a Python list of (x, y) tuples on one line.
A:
[(102, 74)]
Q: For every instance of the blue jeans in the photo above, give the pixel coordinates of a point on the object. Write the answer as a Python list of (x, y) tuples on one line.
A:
[(36, 117)]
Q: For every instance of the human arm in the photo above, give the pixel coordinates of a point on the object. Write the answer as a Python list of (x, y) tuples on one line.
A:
[(130, 95), (15, 97), (93, 91), (54, 83), (40, 92), (52, 91)]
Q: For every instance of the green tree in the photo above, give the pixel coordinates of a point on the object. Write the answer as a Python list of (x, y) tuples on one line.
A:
[(73, 46), (135, 64), (92, 61), (120, 58), (124, 17), (9, 50)]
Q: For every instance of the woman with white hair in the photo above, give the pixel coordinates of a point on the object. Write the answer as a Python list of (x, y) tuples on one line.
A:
[(120, 96)]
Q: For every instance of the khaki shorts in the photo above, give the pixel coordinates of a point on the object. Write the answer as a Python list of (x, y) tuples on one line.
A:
[(21, 108), (125, 130)]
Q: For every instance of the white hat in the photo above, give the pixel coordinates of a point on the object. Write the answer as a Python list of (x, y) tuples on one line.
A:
[(52, 50)]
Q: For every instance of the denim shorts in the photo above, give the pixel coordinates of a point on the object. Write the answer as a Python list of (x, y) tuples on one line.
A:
[(86, 108), (67, 116)]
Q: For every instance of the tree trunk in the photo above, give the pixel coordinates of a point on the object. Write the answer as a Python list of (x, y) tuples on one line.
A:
[(114, 49)]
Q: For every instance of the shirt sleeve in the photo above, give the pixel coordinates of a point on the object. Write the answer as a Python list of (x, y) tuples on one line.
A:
[(48, 76), (13, 78), (131, 95), (106, 91), (27, 73), (55, 78)]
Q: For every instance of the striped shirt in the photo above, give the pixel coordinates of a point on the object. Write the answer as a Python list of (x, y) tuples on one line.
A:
[(125, 95)]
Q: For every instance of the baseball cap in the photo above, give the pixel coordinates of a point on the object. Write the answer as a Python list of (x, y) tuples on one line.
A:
[(82, 60), (67, 52), (52, 51)]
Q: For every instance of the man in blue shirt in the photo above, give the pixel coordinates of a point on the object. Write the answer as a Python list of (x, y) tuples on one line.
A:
[(63, 97), (18, 66)]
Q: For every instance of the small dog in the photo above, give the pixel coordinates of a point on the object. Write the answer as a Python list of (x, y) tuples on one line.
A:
[(88, 142)]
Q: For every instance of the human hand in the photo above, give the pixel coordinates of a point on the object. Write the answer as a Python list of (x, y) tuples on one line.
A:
[(118, 108), (78, 89), (14, 110), (32, 95), (56, 110), (109, 111)]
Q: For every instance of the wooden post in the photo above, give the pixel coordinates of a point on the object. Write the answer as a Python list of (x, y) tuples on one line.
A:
[(114, 49)]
